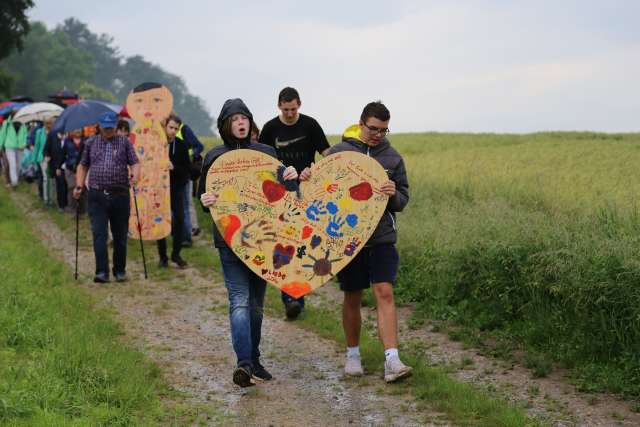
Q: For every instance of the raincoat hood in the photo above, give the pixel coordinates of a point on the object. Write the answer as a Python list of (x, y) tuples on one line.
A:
[(229, 108), (351, 136)]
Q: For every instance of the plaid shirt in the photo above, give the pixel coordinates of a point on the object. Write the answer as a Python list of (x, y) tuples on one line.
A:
[(108, 161)]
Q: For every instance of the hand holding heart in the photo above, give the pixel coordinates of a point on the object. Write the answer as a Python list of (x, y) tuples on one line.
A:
[(208, 199)]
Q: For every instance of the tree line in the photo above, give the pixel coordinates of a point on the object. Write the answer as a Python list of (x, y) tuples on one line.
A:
[(72, 56)]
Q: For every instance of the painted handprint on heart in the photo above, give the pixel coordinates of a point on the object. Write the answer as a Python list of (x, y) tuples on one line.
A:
[(316, 209), (352, 246), (352, 220), (332, 208), (257, 232), (335, 224), (290, 213)]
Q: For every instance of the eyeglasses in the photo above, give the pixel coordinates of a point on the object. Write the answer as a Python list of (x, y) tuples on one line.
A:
[(375, 130)]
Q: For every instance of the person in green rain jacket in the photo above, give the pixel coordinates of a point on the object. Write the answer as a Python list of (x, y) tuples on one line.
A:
[(14, 143), (4, 164), (39, 141)]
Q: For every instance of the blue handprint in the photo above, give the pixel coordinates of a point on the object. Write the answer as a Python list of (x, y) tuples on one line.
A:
[(332, 208), (352, 220), (315, 209), (335, 224)]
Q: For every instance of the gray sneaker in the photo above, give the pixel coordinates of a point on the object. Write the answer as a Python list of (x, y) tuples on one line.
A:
[(353, 367), (395, 370)]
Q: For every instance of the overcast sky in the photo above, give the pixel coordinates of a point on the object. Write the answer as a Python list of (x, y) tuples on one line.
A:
[(494, 66)]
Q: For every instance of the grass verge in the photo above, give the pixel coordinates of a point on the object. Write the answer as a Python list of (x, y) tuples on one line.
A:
[(61, 361)]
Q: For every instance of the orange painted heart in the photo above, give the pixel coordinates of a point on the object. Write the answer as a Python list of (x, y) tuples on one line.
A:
[(296, 241)]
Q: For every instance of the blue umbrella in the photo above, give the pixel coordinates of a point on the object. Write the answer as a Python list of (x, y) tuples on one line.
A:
[(84, 113), (11, 108)]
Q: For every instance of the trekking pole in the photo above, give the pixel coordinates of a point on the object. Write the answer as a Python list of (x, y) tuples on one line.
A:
[(77, 233), (144, 261)]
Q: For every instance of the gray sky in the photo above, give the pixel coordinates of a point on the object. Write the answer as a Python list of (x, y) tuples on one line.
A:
[(494, 66)]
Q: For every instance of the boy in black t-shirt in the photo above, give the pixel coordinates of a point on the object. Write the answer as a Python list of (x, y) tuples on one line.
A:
[(297, 138)]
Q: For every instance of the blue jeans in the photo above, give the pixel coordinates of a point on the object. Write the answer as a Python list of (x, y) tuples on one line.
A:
[(246, 300), (286, 298), (113, 209)]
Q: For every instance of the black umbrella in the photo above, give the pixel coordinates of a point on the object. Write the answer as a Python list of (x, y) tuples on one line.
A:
[(21, 98), (63, 94)]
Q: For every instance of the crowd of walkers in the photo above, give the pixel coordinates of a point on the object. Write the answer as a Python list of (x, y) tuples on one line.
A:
[(31, 153), (92, 170)]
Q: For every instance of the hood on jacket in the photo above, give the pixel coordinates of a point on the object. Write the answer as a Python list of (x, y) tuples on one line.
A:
[(351, 135), (352, 132), (229, 108)]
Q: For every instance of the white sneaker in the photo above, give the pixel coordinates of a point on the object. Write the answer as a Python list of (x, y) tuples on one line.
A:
[(394, 370), (353, 367)]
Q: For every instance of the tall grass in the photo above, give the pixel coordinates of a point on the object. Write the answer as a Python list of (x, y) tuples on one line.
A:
[(535, 236)]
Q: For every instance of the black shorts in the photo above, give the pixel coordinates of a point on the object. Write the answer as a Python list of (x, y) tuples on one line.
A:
[(373, 264)]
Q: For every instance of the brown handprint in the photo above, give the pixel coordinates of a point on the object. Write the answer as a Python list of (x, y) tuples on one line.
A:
[(289, 214), (257, 232)]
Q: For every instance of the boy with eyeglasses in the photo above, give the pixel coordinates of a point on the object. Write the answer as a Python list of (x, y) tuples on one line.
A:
[(376, 265)]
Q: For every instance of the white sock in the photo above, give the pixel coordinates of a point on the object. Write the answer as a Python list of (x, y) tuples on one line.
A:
[(390, 353), (353, 352)]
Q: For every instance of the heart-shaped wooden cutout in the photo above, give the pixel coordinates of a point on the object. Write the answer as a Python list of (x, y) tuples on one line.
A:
[(296, 239)]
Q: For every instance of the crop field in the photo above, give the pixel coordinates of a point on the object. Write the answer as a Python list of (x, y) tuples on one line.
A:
[(534, 238)]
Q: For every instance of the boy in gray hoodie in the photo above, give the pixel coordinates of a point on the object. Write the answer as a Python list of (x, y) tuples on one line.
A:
[(376, 265)]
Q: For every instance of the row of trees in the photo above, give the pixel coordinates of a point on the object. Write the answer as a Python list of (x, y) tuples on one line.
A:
[(14, 25), (72, 56)]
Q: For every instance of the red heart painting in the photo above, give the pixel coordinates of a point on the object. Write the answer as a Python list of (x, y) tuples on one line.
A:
[(273, 191)]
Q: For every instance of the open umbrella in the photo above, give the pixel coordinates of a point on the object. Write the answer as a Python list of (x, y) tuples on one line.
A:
[(22, 98), (64, 97), (13, 106), (37, 111), (63, 94), (84, 113)]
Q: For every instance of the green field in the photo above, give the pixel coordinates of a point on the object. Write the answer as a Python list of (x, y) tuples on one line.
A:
[(533, 239), (531, 242)]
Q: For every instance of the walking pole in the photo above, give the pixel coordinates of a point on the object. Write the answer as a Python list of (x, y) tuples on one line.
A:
[(144, 261), (77, 232)]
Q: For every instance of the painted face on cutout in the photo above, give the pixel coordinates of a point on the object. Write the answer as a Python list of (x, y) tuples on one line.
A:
[(151, 104)]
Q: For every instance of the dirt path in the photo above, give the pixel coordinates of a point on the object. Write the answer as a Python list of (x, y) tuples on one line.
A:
[(182, 324)]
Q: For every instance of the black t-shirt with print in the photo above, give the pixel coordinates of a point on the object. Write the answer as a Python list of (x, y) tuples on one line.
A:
[(295, 144)]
